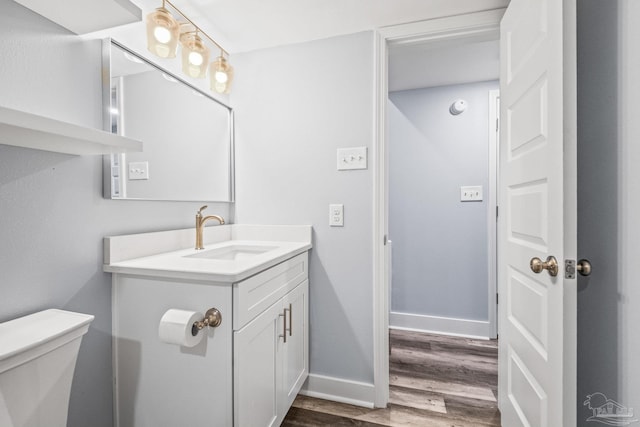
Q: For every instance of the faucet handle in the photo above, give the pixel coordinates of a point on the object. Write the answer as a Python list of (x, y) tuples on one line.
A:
[(201, 209)]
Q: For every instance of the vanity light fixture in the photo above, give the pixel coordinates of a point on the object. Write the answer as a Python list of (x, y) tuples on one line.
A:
[(195, 55), (220, 74), (163, 34)]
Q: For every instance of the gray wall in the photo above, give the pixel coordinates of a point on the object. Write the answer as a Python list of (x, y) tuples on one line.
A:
[(294, 106), (608, 226), (440, 255), (53, 216)]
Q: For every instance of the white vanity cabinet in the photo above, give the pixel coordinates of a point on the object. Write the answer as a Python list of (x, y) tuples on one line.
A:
[(244, 373), (271, 358)]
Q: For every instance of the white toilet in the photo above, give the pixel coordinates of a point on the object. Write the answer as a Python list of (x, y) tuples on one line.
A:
[(37, 358)]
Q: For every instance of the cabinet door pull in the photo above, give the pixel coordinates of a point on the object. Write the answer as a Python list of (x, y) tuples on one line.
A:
[(290, 319), (285, 320), (284, 325)]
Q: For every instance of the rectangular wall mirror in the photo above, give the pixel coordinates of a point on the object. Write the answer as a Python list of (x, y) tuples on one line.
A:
[(187, 135)]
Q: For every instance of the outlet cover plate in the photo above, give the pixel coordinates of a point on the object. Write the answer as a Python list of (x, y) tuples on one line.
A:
[(336, 215), (138, 170)]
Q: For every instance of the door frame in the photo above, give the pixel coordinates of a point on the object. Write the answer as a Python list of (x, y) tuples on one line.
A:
[(492, 208), (476, 26)]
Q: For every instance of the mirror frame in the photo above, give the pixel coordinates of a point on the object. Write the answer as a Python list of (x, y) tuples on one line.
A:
[(106, 122)]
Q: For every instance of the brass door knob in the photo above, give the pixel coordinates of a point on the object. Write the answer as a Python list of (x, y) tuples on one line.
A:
[(551, 265), (584, 267)]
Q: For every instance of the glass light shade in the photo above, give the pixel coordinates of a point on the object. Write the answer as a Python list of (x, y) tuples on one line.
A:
[(220, 75), (163, 32), (195, 56)]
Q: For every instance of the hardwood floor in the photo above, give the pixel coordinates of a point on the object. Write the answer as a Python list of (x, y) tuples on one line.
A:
[(435, 381)]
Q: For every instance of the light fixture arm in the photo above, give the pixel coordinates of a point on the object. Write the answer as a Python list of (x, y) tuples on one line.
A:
[(192, 23)]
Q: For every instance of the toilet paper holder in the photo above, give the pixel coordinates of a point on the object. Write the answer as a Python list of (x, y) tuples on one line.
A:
[(212, 318)]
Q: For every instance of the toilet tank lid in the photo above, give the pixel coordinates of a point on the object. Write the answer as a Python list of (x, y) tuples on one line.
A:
[(21, 334)]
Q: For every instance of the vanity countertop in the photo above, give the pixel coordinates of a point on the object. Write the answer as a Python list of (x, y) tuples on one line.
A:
[(232, 252)]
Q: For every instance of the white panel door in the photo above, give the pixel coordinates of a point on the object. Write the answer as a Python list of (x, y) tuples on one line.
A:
[(537, 352)]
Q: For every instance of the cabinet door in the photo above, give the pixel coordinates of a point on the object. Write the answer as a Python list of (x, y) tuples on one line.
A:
[(257, 349), (295, 353)]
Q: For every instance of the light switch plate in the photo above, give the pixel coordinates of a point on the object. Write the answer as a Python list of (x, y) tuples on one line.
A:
[(471, 193), (336, 215), (352, 158), (138, 170)]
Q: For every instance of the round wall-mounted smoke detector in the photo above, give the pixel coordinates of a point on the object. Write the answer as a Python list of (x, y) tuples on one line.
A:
[(458, 107)]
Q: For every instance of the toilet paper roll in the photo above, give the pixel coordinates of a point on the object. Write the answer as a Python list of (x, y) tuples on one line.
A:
[(175, 327)]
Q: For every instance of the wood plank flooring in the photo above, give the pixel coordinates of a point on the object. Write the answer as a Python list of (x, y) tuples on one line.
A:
[(435, 381)]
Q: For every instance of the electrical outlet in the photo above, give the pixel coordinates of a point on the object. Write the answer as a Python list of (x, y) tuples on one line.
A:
[(138, 170), (336, 215), (471, 193)]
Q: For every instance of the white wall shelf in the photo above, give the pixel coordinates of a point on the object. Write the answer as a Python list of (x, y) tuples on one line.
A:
[(82, 17), (29, 130)]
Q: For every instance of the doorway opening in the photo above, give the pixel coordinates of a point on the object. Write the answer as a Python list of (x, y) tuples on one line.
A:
[(429, 285), (442, 136)]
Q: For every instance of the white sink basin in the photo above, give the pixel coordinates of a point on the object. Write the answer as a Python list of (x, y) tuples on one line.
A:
[(232, 253)]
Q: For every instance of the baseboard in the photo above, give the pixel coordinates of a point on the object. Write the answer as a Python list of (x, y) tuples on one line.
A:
[(339, 390), (440, 325)]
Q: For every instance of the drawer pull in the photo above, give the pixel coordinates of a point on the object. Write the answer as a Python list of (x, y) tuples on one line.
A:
[(290, 319)]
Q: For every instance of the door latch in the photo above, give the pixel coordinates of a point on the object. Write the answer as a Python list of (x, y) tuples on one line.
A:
[(569, 269)]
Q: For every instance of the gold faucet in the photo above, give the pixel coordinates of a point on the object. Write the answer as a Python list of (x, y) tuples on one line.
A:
[(200, 220)]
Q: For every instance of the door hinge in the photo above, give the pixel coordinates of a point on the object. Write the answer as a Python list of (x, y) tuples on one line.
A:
[(497, 125), (496, 211), (496, 298), (570, 269)]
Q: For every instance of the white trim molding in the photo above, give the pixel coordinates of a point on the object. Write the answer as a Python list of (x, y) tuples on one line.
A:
[(339, 390), (492, 210), (477, 26), (381, 255), (441, 325)]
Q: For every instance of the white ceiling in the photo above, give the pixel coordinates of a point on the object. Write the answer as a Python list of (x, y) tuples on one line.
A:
[(244, 25), (421, 65)]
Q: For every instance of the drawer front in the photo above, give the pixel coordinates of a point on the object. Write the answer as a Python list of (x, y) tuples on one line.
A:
[(255, 294)]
